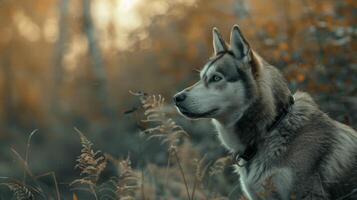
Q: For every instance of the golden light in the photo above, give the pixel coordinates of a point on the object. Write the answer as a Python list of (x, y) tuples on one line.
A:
[(126, 14), (122, 14)]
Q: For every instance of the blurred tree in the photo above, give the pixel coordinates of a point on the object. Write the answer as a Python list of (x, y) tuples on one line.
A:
[(98, 68), (8, 89), (60, 48)]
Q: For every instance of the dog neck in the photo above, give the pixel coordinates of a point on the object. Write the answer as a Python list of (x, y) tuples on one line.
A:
[(250, 127)]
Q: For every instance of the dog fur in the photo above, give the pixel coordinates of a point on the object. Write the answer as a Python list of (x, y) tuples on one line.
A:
[(307, 155)]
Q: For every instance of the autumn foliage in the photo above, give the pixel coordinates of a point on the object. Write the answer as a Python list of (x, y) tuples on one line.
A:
[(66, 64)]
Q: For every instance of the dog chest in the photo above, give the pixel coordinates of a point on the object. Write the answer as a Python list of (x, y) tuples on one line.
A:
[(258, 182)]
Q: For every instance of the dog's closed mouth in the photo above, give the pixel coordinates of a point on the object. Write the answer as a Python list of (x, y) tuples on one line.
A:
[(198, 115)]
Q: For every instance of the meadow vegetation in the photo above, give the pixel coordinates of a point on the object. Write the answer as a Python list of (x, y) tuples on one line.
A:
[(70, 128)]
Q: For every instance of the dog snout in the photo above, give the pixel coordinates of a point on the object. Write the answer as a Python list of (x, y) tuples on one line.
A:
[(180, 97)]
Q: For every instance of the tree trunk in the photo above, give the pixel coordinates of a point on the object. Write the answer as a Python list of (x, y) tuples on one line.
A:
[(8, 75), (98, 68), (59, 52)]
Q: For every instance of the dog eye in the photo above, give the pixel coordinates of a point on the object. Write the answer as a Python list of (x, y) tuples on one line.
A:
[(215, 78)]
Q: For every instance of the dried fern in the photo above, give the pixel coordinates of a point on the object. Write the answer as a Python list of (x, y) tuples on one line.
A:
[(106, 191), (91, 163), (201, 168), (219, 165), (128, 181), (165, 128), (200, 172), (20, 191)]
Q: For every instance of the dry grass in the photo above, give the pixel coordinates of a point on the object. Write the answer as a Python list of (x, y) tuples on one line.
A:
[(164, 127), (169, 132), (186, 175), (20, 191), (220, 164), (92, 163), (89, 162), (127, 183)]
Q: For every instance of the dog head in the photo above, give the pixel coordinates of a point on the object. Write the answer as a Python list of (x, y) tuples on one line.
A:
[(227, 82)]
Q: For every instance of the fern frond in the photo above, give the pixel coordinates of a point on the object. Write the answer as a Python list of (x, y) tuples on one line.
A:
[(91, 163), (127, 183), (164, 127), (20, 191), (219, 165), (200, 168), (106, 191)]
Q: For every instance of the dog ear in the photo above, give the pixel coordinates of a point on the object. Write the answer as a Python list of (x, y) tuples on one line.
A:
[(239, 44), (219, 44)]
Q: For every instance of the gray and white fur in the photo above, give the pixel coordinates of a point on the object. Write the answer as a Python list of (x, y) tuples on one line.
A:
[(307, 155)]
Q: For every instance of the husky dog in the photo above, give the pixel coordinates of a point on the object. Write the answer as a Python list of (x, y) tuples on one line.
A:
[(284, 146)]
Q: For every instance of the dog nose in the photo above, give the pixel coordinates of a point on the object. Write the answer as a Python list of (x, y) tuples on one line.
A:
[(179, 97)]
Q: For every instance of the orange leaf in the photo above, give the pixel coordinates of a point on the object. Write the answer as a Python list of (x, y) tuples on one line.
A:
[(300, 77), (283, 46)]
